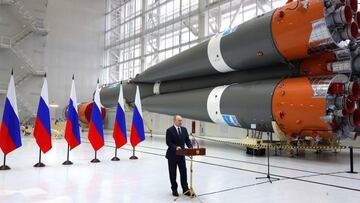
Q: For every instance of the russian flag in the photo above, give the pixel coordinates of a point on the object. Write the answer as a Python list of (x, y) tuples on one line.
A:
[(72, 130), (119, 132), (96, 134), (137, 128), (10, 137), (42, 129)]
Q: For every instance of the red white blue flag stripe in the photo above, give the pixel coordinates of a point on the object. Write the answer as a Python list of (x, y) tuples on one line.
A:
[(72, 130), (10, 137), (42, 129), (137, 127), (96, 134), (119, 132)]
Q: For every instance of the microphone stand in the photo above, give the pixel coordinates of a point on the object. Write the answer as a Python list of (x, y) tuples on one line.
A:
[(197, 143), (268, 176), (191, 189)]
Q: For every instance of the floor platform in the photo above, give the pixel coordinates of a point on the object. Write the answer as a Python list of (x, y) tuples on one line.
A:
[(226, 174)]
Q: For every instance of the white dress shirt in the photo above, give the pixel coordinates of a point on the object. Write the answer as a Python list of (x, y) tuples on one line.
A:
[(177, 129)]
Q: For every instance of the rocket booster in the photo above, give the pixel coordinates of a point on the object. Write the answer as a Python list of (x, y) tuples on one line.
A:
[(293, 32), (307, 106), (108, 93)]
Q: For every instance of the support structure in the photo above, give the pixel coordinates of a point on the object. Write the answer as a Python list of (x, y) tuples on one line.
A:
[(39, 164), (4, 166), (68, 162), (351, 153)]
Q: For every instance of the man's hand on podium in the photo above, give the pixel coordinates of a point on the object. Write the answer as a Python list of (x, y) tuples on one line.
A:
[(177, 148)]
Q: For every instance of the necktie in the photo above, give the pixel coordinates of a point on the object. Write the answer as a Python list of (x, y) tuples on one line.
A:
[(179, 131)]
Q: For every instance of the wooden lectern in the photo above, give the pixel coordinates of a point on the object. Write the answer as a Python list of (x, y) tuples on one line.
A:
[(191, 153)]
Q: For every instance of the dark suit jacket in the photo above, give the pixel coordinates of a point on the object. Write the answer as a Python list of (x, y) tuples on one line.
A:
[(173, 140)]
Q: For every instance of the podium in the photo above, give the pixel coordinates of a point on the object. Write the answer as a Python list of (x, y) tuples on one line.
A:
[(191, 153)]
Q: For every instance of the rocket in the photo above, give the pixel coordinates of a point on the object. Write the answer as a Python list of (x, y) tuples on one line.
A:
[(293, 71)]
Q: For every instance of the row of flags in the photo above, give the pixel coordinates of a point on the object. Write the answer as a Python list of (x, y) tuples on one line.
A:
[(96, 134), (10, 136)]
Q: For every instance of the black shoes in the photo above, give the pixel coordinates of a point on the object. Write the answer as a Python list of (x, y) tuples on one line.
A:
[(175, 194), (187, 193)]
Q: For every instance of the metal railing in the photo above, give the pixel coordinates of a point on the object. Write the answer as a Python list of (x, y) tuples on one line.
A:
[(5, 42), (30, 65), (20, 8), (21, 35), (33, 25)]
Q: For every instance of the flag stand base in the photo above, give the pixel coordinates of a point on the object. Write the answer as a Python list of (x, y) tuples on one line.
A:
[(68, 162), (95, 160), (39, 164), (115, 158), (133, 157), (4, 167)]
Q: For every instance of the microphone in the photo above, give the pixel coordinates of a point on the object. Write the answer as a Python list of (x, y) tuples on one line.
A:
[(195, 140)]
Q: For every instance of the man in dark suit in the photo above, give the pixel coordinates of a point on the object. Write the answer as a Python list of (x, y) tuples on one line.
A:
[(176, 138)]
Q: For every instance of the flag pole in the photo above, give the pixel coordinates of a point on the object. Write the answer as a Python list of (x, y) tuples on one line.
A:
[(115, 158), (68, 162), (95, 160), (39, 164), (4, 166), (133, 156)]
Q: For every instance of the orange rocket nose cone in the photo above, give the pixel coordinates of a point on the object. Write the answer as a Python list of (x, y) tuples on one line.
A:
[(350, 104), (88, 111), (353, 5), (356, 118)]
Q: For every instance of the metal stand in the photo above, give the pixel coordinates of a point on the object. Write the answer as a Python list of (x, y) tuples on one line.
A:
[(68, 162), (115, 158), (4, 166), (133, 157), (95, 160), (191, 189), (351, 161), (39, 164), (268, 163)]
